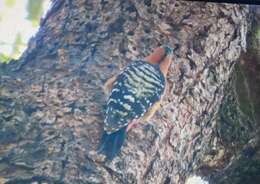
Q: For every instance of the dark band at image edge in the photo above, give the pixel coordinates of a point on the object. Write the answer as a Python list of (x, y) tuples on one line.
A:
[(252, 2)]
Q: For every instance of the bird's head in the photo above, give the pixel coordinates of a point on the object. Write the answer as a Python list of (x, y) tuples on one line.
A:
[(161, 56)]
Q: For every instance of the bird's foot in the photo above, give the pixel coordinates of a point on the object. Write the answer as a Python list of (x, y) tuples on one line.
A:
[(131, 125)]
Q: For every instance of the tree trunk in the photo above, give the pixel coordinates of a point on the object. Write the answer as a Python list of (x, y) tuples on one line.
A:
[(52, 102), (239, 115)]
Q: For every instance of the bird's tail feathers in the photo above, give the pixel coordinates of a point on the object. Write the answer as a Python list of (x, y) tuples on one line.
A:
[(110, 144)]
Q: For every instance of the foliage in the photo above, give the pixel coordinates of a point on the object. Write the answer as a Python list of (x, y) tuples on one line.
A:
[(4, 58), (9, 3), (18, 43), (35, 10)]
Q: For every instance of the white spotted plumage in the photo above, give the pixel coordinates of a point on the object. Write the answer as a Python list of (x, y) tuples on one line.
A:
[(135, 90)]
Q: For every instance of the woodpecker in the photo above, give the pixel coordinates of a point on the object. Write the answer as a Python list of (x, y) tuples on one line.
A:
[(134, 94)]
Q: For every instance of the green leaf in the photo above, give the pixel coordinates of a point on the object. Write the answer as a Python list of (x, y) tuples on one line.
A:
[(35, 10), (9, 3), (4, 58), (17, 46)]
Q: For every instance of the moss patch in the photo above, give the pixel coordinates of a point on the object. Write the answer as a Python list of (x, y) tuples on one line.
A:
[(242, 93)]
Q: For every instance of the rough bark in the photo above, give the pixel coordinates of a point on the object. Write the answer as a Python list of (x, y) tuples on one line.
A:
[(52, 102), (238, 118)]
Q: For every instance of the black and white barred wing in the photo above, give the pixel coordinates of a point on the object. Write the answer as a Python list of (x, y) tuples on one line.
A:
[(135, 90)]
